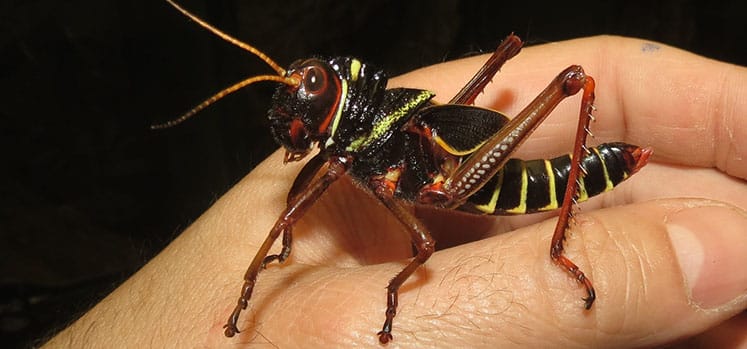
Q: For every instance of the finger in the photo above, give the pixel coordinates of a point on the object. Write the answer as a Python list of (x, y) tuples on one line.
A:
[(631, 262), (659, 181), (731, 334), (660, 271), (690, 109)]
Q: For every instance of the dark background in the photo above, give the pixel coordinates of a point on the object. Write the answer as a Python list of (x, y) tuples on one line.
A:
[(88, 193)]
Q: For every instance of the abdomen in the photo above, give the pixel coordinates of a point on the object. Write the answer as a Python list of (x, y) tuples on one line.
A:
[(539, 185)]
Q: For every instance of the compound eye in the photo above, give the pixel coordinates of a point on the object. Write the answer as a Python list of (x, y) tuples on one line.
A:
[(315, 80)]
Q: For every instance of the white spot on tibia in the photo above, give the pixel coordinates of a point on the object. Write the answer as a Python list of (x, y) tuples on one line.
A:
[(503, 147), (481, 172)]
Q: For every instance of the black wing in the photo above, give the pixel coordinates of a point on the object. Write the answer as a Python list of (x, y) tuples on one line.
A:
[(460, 129)]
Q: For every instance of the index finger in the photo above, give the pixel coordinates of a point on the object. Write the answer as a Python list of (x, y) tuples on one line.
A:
[(690, 109)]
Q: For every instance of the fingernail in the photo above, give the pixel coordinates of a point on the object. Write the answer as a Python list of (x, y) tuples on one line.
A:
[(711, 247)]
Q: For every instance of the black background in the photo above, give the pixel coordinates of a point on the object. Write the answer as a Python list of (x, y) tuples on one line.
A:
[(88, 194)]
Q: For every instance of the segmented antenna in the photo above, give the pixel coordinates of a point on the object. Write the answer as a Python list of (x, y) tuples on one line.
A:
[(230, 39), (281, 78), (217, 96)]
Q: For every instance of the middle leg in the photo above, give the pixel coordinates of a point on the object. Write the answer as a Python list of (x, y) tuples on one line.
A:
[(421, 239)]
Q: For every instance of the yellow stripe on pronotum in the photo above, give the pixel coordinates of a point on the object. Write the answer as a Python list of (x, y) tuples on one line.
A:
[(355, 69), (338, 113), (385, 124)]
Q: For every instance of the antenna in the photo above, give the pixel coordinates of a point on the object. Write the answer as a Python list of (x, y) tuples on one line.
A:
[(233, 88), (281, 78), (231, 39)]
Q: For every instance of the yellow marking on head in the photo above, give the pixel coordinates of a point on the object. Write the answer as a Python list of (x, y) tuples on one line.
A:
[(355, 69)]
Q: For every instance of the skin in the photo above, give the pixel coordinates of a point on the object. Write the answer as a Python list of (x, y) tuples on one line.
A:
[(665, 250)]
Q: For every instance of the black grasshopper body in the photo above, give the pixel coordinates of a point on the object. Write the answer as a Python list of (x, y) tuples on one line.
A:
[(402, 135), (405, 149)]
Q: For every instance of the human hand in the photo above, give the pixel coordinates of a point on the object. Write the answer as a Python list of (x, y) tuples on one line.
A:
[(496, 285)]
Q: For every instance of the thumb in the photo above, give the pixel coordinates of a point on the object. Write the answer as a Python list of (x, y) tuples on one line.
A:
[(663, 271)]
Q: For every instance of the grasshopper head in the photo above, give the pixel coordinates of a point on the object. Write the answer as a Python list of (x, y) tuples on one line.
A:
[(301, 113)]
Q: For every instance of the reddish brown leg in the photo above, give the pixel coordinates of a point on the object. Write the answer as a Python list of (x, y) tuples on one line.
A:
[(307, 174), (297, 206), (571, 193), (485, 163), (508, 48), (422, 240), (285, 250)]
